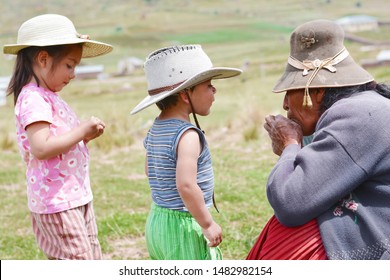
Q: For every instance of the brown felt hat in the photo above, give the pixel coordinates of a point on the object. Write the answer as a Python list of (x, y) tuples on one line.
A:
[(318, 59)]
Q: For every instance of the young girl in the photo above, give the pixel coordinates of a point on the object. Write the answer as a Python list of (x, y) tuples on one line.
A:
[(178, 163), (51, 139)]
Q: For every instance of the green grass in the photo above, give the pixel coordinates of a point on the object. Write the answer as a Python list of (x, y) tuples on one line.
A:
[(254, 31)]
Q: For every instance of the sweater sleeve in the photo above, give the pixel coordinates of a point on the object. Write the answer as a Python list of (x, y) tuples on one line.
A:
[(305, 183), (347, 149)]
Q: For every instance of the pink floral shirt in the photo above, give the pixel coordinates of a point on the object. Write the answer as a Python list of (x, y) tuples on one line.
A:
[(62, 182)]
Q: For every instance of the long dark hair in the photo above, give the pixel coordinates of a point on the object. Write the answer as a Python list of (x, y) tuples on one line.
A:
[(336, 93), (23, 71)]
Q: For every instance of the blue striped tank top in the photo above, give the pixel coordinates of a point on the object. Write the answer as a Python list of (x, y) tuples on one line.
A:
[(161, 146)]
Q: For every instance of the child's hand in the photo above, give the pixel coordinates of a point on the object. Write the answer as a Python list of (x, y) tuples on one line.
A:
[(93, 128), (213, 234)]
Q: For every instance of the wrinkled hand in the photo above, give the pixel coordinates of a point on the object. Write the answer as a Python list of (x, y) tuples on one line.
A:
[(93, 128), (213, 234), (282, 132)]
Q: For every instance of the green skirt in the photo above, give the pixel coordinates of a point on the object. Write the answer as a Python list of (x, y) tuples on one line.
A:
[(175, 235)]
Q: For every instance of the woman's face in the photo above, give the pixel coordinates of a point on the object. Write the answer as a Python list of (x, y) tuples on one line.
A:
[(306, 117)]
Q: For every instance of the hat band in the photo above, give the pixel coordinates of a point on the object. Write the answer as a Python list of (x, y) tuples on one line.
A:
[(316, 65), (162, 89), (327, 63)]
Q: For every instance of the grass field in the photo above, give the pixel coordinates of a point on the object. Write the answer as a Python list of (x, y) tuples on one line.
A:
[(231, 32)]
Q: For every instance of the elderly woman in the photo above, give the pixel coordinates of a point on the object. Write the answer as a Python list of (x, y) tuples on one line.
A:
[(331, 198)]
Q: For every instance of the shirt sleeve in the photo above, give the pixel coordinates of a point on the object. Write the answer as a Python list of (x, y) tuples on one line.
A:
[(33, 108)]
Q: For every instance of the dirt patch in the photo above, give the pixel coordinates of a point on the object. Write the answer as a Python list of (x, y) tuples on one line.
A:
[(128, 249), (136, 177), (12, 188)]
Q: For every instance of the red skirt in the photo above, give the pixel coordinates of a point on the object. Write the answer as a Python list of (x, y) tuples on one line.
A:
[(277, 242)]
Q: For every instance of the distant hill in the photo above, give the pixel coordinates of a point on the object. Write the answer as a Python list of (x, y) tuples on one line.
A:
[(235, 30), (175, 12)]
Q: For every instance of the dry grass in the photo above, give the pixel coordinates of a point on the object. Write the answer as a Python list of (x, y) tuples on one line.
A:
[(254, 31)]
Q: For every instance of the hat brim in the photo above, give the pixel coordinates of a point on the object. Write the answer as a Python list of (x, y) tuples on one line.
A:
[(213, 73), (91, 48), (348, 73)]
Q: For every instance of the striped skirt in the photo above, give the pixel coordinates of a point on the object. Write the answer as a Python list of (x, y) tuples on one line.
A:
[(277, 242), (70, 234)]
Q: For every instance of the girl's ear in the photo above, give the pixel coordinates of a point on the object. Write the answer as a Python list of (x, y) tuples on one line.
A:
[(41, 58)]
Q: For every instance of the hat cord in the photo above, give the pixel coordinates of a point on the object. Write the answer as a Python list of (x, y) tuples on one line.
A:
[(316, 65), (198, 126), (193, 111)]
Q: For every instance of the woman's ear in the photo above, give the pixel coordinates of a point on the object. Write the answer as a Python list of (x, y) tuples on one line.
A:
[(319, 95)]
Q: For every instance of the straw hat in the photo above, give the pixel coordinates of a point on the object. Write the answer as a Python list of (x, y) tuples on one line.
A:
[(50, 30), (319, 59), (173, 69)]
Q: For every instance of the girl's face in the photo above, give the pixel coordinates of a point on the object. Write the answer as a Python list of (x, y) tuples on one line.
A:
[(202, 97), (56, 75)]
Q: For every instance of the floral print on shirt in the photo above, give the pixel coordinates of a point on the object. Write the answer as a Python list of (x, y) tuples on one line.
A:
[(62, 182), (348, 203)]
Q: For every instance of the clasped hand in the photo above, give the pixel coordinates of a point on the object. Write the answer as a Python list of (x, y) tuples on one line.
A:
[(282, 132)]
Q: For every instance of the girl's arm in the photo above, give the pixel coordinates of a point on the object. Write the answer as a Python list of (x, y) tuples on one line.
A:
[(186, 172), (46, 146)]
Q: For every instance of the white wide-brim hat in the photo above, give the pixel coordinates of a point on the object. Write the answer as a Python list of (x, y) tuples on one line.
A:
[(173, 69), (51, 30)]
